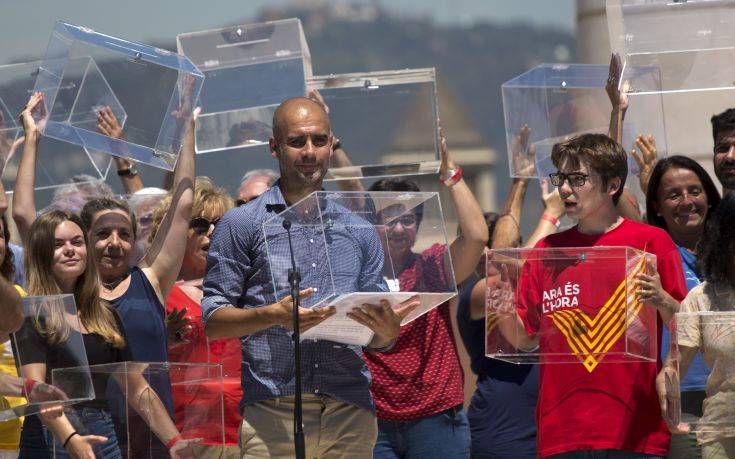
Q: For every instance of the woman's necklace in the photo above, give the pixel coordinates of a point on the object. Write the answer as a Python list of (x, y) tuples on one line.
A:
[(111, 285)]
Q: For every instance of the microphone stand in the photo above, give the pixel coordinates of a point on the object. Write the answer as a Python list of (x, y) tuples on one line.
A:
[(294, 279)]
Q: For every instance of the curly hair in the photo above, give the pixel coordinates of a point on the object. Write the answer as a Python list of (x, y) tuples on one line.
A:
[(718, 249)]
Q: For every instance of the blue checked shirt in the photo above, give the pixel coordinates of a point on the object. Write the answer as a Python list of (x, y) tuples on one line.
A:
[(239, 275)]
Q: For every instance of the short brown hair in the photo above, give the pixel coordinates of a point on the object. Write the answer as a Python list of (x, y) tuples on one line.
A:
[(603, 155)]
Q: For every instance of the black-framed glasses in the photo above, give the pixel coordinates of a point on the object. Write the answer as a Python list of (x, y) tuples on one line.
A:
[(201, 225), (575, 179), (404, 220)]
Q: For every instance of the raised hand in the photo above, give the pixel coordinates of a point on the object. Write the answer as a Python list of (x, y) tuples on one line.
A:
[(646, 159), (446, 158), (523, 155), (34, 110), (617, 93), (316, 96), (108, 124)]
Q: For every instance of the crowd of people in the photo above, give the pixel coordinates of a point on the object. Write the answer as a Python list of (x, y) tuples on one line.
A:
[(181, 274)]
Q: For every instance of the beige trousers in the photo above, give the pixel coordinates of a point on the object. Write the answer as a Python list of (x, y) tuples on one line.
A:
[(723, 449), (332, 429)]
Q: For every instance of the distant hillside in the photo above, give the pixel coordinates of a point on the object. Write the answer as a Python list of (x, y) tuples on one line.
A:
[(473, 61)]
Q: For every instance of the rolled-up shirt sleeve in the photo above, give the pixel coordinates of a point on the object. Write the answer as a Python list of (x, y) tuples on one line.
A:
[(228, 266)]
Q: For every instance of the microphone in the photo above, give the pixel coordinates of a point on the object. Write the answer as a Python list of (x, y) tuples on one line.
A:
[(286, 224)]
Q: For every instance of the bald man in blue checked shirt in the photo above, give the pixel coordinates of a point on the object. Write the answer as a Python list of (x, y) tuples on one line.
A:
[(239, 301)]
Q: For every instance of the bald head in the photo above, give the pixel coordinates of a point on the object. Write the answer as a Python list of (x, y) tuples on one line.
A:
[(296, 110)]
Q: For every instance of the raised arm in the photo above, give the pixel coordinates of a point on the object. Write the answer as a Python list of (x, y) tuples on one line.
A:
[(163, 260), (108, 124), (467, 249), (507, 231), (24, 203), (618, 94)]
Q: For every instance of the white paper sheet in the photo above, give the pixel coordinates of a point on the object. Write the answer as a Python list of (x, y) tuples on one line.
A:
[(341, 329)]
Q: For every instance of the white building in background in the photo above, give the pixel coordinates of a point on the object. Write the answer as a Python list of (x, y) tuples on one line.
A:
[(593, 47)]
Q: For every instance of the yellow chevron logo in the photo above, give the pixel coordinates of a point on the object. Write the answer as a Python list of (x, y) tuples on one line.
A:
[(490, 322), (590, 338)]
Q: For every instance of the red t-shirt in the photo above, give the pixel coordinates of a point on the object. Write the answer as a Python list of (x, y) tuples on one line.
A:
[(196, 407), (421, 375), (586, 405)]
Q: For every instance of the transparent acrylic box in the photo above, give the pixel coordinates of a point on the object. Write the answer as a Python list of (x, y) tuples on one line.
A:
[(577, 304), (560, 101), (16, 85), (381, 226), (402, 105), (707, 332), (250, 69), (151, 92), (197, 393), (692, 43), (42, 315)]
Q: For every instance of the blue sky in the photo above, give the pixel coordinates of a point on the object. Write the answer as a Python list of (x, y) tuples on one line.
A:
[(26, 23)]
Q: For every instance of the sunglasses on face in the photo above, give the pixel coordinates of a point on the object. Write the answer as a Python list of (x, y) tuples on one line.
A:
[(575, 179), (201, 225), (318, 140)]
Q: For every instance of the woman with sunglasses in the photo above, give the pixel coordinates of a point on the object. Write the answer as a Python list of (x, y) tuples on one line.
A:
[(190, 345)]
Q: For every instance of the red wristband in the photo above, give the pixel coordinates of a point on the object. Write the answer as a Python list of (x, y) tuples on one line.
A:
[(550, 218), (454, 178), (28, 385), (173, 441)]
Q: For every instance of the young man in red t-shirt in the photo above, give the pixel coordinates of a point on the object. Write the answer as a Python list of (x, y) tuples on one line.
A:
[(584, 409)]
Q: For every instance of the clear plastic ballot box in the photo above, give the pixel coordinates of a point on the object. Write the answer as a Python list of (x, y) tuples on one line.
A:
[(712, 334), (353, 248), (150, 91), (57, 162), (401, 105), (555, 102), (249, 69), (51, 324), (568, 305), (692, 43), (140, 395)]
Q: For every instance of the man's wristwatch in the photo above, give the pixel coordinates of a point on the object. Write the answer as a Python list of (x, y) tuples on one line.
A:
[(130, 171), (455, 175)]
